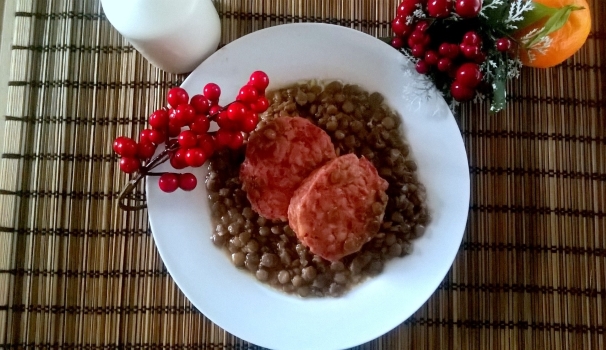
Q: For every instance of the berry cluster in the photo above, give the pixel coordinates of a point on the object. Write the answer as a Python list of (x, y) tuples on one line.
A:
[(443, 38), (183, 127)]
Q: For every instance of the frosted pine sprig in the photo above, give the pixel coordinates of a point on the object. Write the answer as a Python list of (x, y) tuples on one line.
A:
[(516, 12)]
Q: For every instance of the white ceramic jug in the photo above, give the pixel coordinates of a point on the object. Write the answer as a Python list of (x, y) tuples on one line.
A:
[(174, 35)]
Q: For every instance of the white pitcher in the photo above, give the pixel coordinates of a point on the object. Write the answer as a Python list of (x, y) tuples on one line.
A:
[(174, 35)]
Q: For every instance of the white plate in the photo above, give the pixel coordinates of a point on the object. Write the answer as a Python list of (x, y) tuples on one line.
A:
[(255, 312)]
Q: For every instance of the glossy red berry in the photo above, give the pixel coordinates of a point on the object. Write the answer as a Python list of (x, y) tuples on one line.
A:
[(249, 122), (195, 157), (222, 138), (439, 8), (236, 141), (236, 111), (406, 8), (173, 130), (247, 94), (212, 91), (259, 80), (156, 136), (418, 51), (145, 150), (225, 123), (144, 135), (469, 50), (200, 104), (469, 74), (416, 37), (449, 50), (168, 182), (422, 26), (431, 57), (125, 146), (468, 8), (472, 38), (399, 26), (422, 67), (460, 92), (207, 144), (177, 160), (503, 44), (177, 96), (159, 119), (480, 58), (187, 139), (187, 181), (444, 64), (129, 164), (397, 42), (200, 125), (216, 109), (260, 105)]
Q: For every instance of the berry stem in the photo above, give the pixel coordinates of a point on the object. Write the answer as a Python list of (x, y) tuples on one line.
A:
[(139, 175)]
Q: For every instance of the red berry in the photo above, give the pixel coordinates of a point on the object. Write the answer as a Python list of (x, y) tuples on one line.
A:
[(399, 26), (472, 38), (159, 119), (236, 111), (187, 181), (185, 114), (200, 125), (503, 44), (222, 138), (460, 92), (417, 37), (480, 58), (444, 64), (206, 143), (422, 26), (261, 105), (418, 50), (406, 8), (125, 146), (236, 141), (178, 159), (156, 136), (195, 157), (422, 67), (259, 80), (397, 42), (249, 122), (431, 57), (200, 104), (168, 182), (216, 109), (177, 96), (187, 139), (144, 135), (173, 130), (469, 74), (145, 150), (468, 8), (439, 8), (212, 91), (225, 123), (248, 94), (469, 51), (129, 164)]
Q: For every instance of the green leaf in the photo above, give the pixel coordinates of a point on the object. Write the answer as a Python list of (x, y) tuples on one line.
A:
[(555, 22), (499, 87), (538, 12)]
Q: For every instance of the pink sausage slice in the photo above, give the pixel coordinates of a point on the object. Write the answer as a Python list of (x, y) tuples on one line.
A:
[(279, 156), (339, 207)]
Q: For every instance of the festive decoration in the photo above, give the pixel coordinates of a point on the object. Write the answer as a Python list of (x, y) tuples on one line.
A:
[(183, 129), (470, 48)]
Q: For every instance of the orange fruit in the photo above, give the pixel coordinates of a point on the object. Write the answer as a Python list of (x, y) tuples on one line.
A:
[(565, 41)]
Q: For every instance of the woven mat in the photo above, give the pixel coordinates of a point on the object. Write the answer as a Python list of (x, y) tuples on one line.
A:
[(75, 271)]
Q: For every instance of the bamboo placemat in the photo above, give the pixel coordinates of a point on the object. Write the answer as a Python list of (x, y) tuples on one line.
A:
[(76, 272)]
